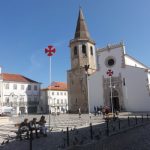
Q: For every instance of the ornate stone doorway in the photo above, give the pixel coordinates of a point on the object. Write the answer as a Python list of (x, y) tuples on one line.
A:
[(115, 100)]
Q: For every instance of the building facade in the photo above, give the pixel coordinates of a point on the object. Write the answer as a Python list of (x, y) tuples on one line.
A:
[(54, 99), (128, 87), (19, 92)]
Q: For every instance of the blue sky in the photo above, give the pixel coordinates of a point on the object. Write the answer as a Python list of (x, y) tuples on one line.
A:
[(27, 27)]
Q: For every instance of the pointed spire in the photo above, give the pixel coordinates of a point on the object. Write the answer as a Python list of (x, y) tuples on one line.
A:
[(81, 28)]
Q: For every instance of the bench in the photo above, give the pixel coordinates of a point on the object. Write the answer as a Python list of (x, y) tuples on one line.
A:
[(24, 133)]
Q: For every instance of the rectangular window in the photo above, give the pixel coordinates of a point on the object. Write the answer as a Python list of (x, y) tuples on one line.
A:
[(35, 87), (57, 101), (15, 86), (22, 87), (124, 82), (7, 86), (61, 101), (29, 87), (35, 98), (57, 93)]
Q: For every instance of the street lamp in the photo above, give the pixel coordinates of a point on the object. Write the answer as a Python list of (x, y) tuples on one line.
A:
[(110, 73), (49, 99), (86, 67)]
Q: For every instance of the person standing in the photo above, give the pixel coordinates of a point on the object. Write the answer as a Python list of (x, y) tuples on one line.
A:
[(79, 112)]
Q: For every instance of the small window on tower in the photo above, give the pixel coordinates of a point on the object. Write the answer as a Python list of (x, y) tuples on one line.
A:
[(91, 50), (84, 49), (75, 51)]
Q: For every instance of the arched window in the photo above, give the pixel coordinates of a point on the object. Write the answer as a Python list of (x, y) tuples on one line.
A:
[(91, 50), (75, 51), (84, 49)]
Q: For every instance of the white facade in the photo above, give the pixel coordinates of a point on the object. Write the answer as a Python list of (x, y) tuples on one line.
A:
[(23, 97), (54, 100), (129, 89)]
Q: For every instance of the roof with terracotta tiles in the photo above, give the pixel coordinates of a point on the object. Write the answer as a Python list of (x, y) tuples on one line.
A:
[(57, 86), (16, 78)]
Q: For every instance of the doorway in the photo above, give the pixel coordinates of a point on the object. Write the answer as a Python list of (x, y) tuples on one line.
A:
[(115, 101)]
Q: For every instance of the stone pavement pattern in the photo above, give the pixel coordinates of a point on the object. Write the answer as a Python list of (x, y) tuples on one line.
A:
[(124, 141), (135, 139)]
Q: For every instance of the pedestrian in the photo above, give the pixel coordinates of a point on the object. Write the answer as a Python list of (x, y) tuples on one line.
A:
[(97, 110), (100, 109), (79, 112), (103, 112), (94, 110)]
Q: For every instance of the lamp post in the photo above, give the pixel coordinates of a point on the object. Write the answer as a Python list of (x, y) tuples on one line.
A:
[(110, 73), (86, 67), (49, 100)]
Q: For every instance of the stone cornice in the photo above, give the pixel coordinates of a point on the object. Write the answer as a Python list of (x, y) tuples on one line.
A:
[(81, 40), (110, 47)]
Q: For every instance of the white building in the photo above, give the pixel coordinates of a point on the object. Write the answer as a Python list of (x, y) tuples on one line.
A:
[(19, 92), (129, 86), (55, 98)]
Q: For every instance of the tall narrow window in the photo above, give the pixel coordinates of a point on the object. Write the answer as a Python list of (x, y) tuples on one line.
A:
[(7, 86), (15, 86), (124, 82), (35, 87), (91, 50), (29, 87), (75, 51), (84, 49), (22, 87)]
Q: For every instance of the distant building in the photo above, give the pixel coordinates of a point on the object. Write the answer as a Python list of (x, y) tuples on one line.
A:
[(54, 99), (19, 92)]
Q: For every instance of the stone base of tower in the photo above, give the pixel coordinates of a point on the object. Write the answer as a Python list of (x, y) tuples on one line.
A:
[(75, 109), (77, 91)]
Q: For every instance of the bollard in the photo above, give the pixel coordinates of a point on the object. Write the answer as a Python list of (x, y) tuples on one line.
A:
[(147, 116), (119, 123), (128, 121), (107, 127), (91, 131), (31, 137), (135, 120), (68, 136)]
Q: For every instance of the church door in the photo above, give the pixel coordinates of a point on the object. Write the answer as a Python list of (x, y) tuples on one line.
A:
[(116, 103), (115, 100)]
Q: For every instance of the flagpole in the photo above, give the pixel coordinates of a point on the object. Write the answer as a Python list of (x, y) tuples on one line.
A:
[(50, 51), (50, 75)]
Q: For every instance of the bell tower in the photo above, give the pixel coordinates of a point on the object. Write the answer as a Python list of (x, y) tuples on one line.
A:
[(82, 55)]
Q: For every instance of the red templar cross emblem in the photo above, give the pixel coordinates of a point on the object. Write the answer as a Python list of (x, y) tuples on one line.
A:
[(50, 50), (109, 72)]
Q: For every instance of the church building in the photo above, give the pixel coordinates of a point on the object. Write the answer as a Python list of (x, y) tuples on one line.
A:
[(105, 76)]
